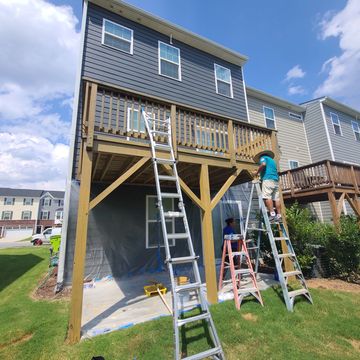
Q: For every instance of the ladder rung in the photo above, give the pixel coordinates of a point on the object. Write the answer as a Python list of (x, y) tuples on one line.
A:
[(204, 354), (170, 195), (238, 253), (182, 260), (203, 316), (281, 238), (173, 214), (256, 229), (159, 132), (253, 248), (167, 178), (187, 287), (292, 273), (165, 161), (247, 290), (286, 255), (178, 236), (167, 121), (162, 146), (298, 292), (242, 271)]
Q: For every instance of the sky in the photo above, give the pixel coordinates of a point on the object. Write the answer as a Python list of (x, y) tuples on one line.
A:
[(298, 50)]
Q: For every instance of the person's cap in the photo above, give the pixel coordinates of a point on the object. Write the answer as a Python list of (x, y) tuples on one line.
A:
[(229, 220), (262, 153)]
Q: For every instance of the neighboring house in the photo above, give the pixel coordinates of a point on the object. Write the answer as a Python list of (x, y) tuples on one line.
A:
[(25, 212)]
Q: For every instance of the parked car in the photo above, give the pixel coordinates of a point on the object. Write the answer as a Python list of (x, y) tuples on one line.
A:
[(44, 237)]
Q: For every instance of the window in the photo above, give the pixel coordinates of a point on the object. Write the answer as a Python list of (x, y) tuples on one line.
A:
[(44, 215), (169, 61), (117, 36), (223, 82), (60, 202), (269, 118), (154, 235), (28, 201), (135, 122), (293, 164), (46, 202), (26, 215), (6, 215), (9, 201), (356, 128), (336, 123), (295, 116), (59, 215)]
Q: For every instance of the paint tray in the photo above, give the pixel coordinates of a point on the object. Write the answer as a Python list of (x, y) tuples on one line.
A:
[(152, 289)]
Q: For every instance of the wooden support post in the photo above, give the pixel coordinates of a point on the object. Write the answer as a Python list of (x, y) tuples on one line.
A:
[(207, 236), (356, 186), (80, 248), (91, 117), (173, 129), (334, 209), (231, 143)]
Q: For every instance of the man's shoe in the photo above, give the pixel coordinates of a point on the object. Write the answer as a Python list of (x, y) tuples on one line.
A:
[(272, 219)]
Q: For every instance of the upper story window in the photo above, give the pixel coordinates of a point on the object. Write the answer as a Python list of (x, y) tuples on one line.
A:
[(117, 36), (269, 116), (169, 61), (59, 214), (336, 123), (293, 164), (356, 129), (6, 215), (60, 202), (9, 201), (46, 202), (44, 215), (223, 81), (295, 116), (26, 215), (28, 201)]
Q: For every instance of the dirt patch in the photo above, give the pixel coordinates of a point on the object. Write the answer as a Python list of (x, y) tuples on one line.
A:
[(250, 317), (25, 337), (355, 344), (46, 288), (333, 284)]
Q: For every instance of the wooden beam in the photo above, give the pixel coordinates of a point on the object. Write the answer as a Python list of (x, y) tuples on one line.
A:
[(185, 188), (107, 166), (231, 143), (224, 188), (91, 117), (98, 156), (117, 182), (80, 248), (333, 206), (207, 236), (355, 204), (173, 129), (356, 186), (340, 203)]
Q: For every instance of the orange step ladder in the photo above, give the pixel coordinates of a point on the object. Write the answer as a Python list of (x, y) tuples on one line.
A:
[(234, 260)]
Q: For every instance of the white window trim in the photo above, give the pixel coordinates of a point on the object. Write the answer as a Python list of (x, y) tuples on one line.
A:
[(292, 160), (172, 241), (47, 199), (3, 215), (31, 201), (339, 125), (113, 47), (61, 212), (267, 107), (128, 127), (12, 201), (172, 62), (26, 211), (230, 83), (355, 131), (295, 116), (45, 211)]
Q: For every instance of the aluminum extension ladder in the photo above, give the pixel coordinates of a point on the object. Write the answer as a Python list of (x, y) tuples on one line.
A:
[(228, 262), (264, 226), (161, 129)]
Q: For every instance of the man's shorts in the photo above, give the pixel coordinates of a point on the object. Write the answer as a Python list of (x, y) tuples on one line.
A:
[(270, 189)]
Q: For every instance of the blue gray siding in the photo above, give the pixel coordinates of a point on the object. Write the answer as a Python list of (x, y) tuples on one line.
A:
[(316, 133), (139, 72)]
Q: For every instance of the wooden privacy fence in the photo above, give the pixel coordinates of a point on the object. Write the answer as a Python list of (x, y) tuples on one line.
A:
[(118, 112), (321, 174)]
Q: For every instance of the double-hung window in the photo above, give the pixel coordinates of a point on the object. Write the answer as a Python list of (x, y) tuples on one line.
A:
[(46, 202), (117, 36), (223, 81), (293, 164), (9, 201), (336, 123), (169, 61), (28, 201), (269, 116), (45, 215), (356, 129), (154, 236), (26, 215), (6, 215)]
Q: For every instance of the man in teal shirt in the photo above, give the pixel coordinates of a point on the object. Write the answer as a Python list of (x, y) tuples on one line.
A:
[(270, 182)]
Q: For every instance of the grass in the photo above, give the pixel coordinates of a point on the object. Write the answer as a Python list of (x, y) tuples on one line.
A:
[(33, 329)]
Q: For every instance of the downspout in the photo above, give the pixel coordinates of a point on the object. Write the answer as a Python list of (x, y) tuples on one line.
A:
[(245, 94), (62, 252)]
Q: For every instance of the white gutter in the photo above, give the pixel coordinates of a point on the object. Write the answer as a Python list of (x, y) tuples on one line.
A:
[(62, 253), (245, 94), (327, 130)]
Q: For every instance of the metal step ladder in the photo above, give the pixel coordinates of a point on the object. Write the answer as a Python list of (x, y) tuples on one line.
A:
[(160, 130), (234, 260), (297, 284)]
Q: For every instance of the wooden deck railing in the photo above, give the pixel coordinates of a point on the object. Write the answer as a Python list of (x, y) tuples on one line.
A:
[(118, 112), (321, 174)]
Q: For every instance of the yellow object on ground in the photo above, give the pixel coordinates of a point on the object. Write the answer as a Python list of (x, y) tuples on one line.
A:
[(152, 289), (182, 280)]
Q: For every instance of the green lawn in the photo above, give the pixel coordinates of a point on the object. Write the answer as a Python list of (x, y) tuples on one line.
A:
[(30, 329)]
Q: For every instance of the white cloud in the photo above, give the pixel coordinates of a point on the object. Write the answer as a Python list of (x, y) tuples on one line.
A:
[(32, 162), (343, 71), (39, 46), (295, 73), (296, 90)]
